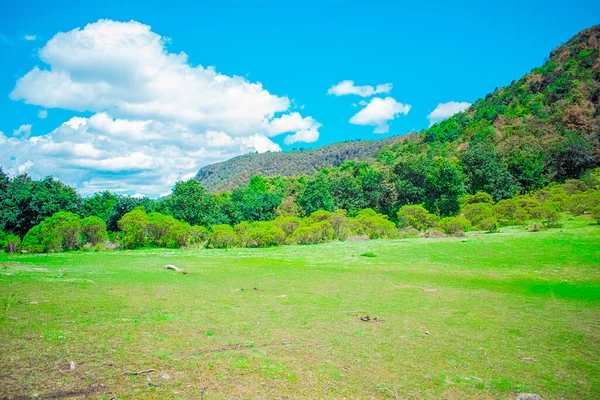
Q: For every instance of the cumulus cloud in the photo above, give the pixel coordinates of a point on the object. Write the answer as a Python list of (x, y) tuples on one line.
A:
[(155, 117), (347, 87), (378, 112), (23, 131), (446, 110), (43, 114), (30, 38)]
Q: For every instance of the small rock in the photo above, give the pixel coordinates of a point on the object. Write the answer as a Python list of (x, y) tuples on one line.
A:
[(165, 376), (529, 396), (427, 333), (72, 365)]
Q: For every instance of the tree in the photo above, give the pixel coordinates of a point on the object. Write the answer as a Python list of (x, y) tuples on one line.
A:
[(94, 229), (416, 217), (27, 202), (444, 187), (485, 170), (191, 203), (135, 226), (255, 202), (316, 195), (100, 205)]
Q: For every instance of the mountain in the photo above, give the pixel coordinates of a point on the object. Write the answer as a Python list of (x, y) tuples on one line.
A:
[(541, 128), (237, 171)]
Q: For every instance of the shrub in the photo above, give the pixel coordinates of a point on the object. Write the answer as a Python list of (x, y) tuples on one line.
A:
[(548, 216), (508, 212), (453, 225), (165, 231), (479, 197), (94, 229), (579, 204), (198, 235), (368, 254), (596, 214), (260, 234), (416, 217), (288, 224), (223, 236), (489, 224), (2, 239), (11, 243), (317, 232), (375, 225), (477, 212), (134, 225), (60, 232)]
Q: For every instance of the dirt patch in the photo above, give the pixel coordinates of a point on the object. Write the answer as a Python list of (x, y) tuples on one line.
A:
[(92, 390), (375, 320)]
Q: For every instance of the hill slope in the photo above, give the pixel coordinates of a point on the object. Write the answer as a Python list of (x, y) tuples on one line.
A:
[(237, 171), (543, 127)]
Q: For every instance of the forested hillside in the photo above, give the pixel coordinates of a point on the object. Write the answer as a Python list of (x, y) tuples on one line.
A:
[(233, 173), (544, 127)]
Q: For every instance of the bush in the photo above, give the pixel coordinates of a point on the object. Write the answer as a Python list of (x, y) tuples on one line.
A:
[(288, 224), (479, 197), (596, 214), (375, 225), (416, 217), (477, 212), (582, 203), (548, 216), (488, 224), (165, 231), (94, 230), (317, 232), (454, 225), (198, 235), (134, 225), (60, 232), (11, 243), (260, 234), (508, 212), (223, 236)]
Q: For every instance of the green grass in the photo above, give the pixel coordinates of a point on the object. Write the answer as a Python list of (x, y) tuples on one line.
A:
[(486, 316)]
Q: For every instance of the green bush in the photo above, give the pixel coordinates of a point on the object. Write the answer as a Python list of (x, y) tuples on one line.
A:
[(374, 225), (479, 197), (453, 225), (416, 217), (477, 213), (223, 236), (582, 203), (488, 224), (198, 235), (11, 243), (548, 216), (60, 232), (288, 224), (317, 232), (596, 214), (165, 231), (508, 212), (260, 234), (134, 225), (94, 230)]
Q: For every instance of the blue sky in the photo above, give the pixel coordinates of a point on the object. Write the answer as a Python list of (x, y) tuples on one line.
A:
[(431, 53)]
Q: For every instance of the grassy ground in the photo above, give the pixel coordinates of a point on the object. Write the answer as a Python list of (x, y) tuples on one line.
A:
[(481, 317)]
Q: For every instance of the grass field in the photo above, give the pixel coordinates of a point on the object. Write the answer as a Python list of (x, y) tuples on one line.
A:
[(480, 317)]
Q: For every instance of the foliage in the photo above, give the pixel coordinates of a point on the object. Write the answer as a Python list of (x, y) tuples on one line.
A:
[(316, 195), (134, 225), (453, 225), (317, 232), (223, 236), (374, 225), (60, 232), (260, 234), (288, 224), (416, 217), (596, 214), (10, 243), (94, 230)]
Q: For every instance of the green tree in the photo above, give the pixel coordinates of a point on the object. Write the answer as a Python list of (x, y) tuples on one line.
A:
[(191, 203), (94, 229), (316, 195)]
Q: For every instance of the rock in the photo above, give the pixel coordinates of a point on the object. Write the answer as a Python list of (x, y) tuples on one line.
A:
[(72, 365), (529, 396)]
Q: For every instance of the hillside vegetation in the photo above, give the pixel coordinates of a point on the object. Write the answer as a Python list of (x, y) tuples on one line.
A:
[(233, 173), (543, 127)]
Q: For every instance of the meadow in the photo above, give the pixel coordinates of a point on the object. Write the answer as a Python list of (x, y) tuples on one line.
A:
[(485, 316)]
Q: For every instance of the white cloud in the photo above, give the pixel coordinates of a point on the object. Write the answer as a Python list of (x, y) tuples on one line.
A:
[(43, 114), (347, 87), (24, 131), (30, 38), (155, 117), (306, 136), (446, 110), (378, 112)]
